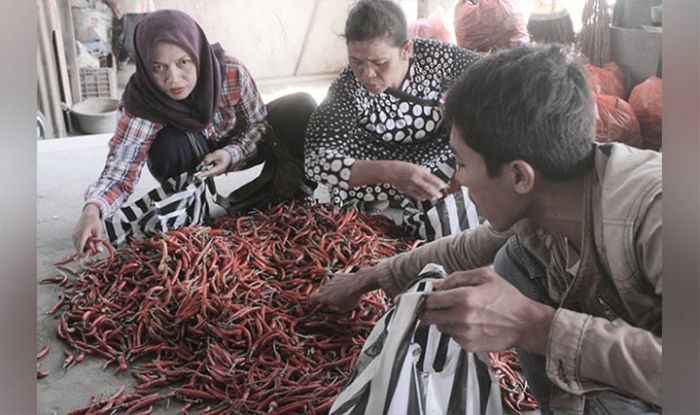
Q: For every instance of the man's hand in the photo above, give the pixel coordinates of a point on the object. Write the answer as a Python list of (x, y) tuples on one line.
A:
[(88, 225), (218, 162), (483, 312), (342, 293)]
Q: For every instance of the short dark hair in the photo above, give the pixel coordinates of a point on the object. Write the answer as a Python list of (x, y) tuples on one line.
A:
[(531, 103), (372, 19)]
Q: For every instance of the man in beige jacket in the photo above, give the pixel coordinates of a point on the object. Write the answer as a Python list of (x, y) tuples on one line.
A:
[(568, 267)]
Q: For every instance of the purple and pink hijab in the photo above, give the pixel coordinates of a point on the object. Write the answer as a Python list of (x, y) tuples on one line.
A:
[(144, 99)]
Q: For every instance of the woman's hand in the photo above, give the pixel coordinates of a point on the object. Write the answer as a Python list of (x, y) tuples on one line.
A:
[(416, 181), (219, 160), (89, 225), (413, 180)]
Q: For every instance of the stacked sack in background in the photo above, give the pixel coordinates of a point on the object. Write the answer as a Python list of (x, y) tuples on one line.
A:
[(636, 122), (478, 25), (488, 24), (432, 27), (646, 100)]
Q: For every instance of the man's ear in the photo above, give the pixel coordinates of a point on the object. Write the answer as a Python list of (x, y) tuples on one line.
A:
[(407, 50), (523, 176)]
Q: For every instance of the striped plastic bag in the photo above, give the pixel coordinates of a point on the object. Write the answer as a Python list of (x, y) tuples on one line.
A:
[(180, 201), (406, 368), (449, 215)]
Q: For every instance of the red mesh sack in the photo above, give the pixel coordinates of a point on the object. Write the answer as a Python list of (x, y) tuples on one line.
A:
[(607, 80), (615, 121), (489, 24), (646, 101), (430, 28)]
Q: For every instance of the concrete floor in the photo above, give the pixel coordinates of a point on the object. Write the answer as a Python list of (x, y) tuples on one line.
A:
[(65, 168)]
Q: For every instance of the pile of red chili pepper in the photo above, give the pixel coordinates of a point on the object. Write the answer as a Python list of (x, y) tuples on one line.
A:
[(219, 318)]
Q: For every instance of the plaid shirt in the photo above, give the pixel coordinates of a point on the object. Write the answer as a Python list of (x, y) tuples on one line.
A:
[(239, 120)]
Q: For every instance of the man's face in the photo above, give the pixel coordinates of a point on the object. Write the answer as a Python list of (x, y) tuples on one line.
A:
[(377, 64), (494, 197)]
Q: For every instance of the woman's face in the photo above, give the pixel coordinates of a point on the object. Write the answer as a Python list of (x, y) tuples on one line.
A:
[(377, 64), (174, 71)]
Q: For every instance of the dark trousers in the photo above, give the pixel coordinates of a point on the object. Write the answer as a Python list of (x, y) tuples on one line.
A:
[(171, 152)]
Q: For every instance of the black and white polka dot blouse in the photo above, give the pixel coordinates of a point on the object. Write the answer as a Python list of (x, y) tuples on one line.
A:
[(354, 124)]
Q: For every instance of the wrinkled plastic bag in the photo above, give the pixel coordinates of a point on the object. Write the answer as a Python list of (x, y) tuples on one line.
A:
[(487, 25), (430, 28), (616, 121), (409, 368), (92, 21), (179, 201), (646, 101), (616, 71), (87, 59), (608, 80), (452, 213)]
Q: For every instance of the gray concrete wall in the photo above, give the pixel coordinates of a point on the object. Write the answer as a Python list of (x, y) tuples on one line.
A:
[(268, 36)]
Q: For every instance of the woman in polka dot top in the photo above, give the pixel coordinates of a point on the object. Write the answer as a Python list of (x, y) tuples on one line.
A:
[(378, 135)]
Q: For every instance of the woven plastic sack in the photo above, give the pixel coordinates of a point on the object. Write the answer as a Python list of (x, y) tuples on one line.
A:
[(430, 28), (409, 368), (608, 80), (616, 121), (646, 101), (488, 24)]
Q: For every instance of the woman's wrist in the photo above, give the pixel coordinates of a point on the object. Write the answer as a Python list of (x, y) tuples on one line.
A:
[(391, 171), (371, 172), (91, 209)]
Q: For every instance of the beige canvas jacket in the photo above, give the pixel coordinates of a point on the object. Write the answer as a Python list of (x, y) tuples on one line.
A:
[(606, 333)]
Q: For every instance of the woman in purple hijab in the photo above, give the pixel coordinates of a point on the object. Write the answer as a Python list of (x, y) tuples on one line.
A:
[(187, 105)]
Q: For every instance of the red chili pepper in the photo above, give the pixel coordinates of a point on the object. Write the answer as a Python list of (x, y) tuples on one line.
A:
[(43, 352), (122, 364), (289, 408), (144, 402)]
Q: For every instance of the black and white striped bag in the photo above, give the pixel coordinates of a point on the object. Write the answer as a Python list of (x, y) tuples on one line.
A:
[(180, 201), (449, 215), (406, 368)]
